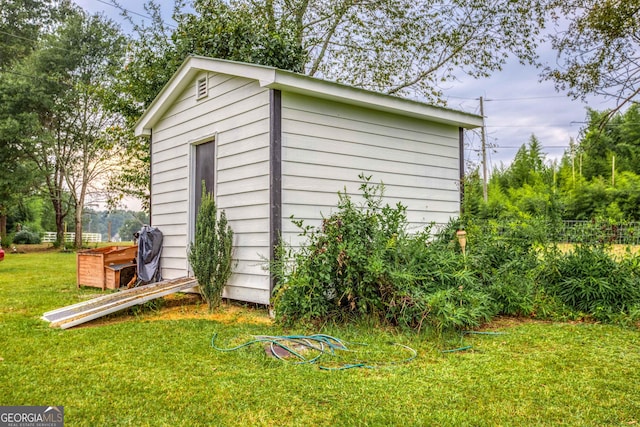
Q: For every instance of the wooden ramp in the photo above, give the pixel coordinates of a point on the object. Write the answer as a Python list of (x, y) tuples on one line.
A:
[(73, 315)]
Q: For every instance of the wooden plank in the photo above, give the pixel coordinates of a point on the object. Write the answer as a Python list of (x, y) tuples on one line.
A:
[(77, 314)]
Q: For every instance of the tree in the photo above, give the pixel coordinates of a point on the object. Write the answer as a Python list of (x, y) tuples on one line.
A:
[(600, 51), (215, 29), (21, 22), (92, 131), (54, 99), (399, 47), (133, 224), (20, 25), (411, 48)]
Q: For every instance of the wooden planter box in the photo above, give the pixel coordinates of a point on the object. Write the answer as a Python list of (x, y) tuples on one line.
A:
[(93, 265)]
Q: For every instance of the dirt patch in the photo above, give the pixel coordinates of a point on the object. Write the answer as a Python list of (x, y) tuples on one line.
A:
[(187, 307), (506, 322), (191, 306)]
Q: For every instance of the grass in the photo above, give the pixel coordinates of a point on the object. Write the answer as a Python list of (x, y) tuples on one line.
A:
[(154, 366)]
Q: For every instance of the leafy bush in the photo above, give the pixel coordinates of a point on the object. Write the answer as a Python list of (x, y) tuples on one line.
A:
[(26, 237), (589, 280), (361, 262), (343, 266), (210, 253)]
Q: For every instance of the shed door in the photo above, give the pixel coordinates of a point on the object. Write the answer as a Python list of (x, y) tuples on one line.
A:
[(205, 171)]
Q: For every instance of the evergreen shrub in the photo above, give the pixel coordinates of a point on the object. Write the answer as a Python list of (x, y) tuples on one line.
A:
[(210, 254)]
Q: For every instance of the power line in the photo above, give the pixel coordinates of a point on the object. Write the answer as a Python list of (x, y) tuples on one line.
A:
[(33, 40), (547, 126), (525, 98), (142, 15), (30, 76)]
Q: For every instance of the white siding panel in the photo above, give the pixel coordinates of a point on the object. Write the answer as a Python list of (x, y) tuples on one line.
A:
[(177, 219), (239, 146), (171, 164), (170, 208), (338, 115), (243, 185), (173, 230), (329, 130), (164, 198), (404, 192), (231, 118), (236, 111), (250, 198), (258, 293), (346, 176), (223, 106), (243, 172), (174, 264), (244, 158), (172, 273), (326, 145), (447, 169), (248, 131), (254, 254), (250, 225), (258, 240), (246, 212), (174, 251)]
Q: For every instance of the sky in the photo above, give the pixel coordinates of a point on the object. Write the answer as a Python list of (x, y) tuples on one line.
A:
[(516, 103)]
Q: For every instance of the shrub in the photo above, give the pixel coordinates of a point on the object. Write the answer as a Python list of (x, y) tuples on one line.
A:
[(26, 237), (591, 281), (362, 262), (210, 253), (343, 266)]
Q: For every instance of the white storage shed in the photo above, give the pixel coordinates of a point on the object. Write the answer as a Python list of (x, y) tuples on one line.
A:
[(271, 143)]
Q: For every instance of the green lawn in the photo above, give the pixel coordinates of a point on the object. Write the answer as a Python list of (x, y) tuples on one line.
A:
[(155, 366)]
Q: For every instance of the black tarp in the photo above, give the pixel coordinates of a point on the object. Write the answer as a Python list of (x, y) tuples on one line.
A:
[(149, 251)]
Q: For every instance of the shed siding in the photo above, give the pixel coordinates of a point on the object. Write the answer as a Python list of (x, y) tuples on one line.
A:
[(326, 145), (236, 111)]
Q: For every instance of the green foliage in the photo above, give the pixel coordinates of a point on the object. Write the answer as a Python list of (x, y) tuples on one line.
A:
[(597, 176), (589, 280), (211, 251), (133, 224), (53, 115), (598, 53), (362, 262), (26, 237)]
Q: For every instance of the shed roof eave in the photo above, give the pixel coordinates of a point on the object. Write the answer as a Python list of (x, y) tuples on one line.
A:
[(274, 78), (298, 83)]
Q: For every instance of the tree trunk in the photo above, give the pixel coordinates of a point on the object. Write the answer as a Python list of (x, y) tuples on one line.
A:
[(78, 223), (57, 206)]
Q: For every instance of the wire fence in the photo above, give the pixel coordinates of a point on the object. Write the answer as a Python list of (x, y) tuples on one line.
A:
[(570, 231), (581, 231)]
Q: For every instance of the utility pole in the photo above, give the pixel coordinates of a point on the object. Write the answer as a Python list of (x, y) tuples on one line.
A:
[(613, 171), (484, 153)]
